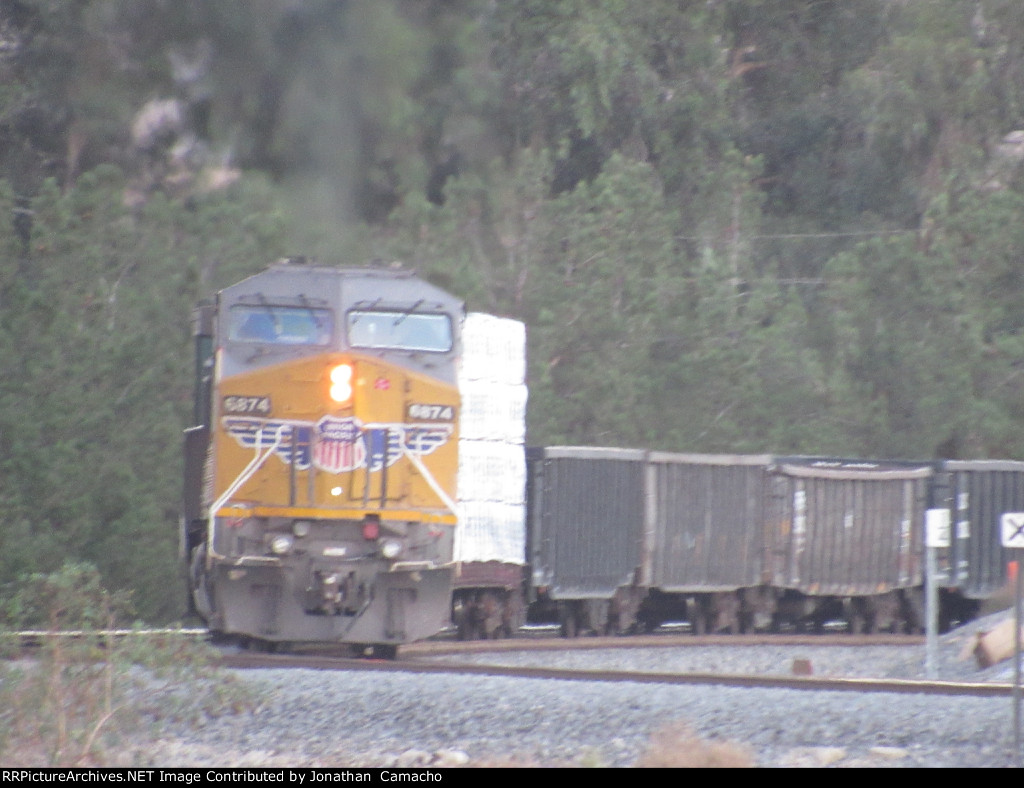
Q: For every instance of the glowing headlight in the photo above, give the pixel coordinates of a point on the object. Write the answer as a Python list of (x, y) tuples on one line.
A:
[(281, 544), (390, 548), (301, 528), (341, 384)]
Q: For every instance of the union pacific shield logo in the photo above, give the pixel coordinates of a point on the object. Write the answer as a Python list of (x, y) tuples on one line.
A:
[(339, 445)]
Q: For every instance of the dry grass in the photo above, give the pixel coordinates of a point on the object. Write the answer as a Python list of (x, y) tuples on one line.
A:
[(676, 747)]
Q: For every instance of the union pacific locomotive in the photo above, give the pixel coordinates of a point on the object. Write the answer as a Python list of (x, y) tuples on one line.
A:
[(320, 473)]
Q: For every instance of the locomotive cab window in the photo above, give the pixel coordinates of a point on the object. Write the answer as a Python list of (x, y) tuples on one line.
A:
[(279, 325), (380, 330)]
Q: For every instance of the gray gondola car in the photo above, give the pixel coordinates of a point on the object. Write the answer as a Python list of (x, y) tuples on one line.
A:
[(704, 549), (974, 566), (586, 515), (845, 541)]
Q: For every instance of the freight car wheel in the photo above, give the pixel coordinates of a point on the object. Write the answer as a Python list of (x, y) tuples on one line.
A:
[(859, 620), (569, 620), (912, 611), (700, 615)]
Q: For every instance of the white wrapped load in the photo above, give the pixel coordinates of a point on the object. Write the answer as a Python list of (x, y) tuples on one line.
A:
[(491, 471), (493, 411), (493, 349), (492, 432), (491, 531)]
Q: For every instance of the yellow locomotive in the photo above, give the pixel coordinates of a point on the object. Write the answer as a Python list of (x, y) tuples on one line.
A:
[(320, 475)]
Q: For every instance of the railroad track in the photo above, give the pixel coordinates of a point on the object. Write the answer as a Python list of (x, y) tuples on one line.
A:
[(446, 642), (529, 638), (441, 656), (534, 641), (421, 659)]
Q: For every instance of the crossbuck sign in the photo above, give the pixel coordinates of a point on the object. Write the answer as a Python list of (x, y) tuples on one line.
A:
[(1013, 529)]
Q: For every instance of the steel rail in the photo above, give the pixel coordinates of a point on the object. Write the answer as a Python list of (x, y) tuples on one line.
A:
[(249, 661)]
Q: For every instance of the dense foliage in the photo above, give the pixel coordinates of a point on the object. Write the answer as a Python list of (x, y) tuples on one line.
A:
[(730, 226)]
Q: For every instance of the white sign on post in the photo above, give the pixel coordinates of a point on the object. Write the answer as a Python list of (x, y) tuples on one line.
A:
[(1012, 528), (936, 528)]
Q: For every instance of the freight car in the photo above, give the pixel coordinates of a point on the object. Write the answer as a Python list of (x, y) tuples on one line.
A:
[(844, 540), (490, 545), (974, 567), (624, 540), (320, 473)]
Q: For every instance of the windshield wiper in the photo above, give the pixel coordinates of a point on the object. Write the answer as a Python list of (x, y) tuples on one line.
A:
[(309, 308), (408, 312), (270, 310), (365, 305)]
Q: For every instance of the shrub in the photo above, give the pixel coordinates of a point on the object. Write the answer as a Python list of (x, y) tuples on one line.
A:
[(81, 689)]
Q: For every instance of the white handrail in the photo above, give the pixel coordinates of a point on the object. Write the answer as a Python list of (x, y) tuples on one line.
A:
[(242, 478), (425, 473)]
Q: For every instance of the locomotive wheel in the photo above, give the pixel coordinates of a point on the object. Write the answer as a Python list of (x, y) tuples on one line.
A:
[(383, 651), (199, 585), (261, 646), (374, 650)]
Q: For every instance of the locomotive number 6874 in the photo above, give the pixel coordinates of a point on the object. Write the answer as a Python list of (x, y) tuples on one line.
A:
[(320, 475)]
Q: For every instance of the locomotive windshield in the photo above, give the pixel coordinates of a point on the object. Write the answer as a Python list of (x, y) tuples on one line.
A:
[(400, 331), (281, 325)]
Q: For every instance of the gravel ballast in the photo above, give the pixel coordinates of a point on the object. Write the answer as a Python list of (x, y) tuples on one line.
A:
[(330, 718)]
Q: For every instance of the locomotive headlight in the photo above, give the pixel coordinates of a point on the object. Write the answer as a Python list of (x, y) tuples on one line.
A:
[(301, 528), (390, 548), (341, 383), (281, 544)]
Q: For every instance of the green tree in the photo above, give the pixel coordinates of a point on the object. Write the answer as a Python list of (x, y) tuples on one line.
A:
[(907, 358), (98, 323)]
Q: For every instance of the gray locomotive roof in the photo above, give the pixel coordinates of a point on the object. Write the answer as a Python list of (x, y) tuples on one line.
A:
[(341, 290), (381, 287)]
